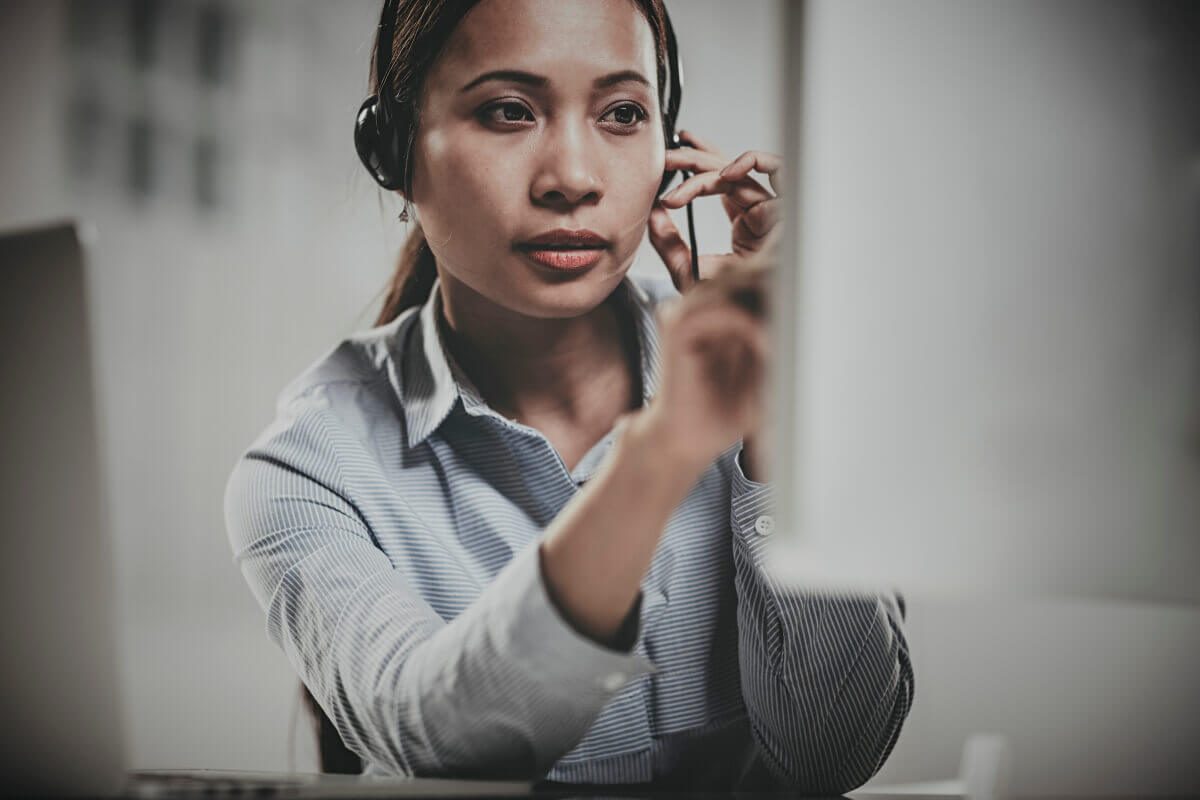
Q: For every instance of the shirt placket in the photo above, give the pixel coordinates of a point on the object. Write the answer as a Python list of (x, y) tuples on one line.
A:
[(631, 709)]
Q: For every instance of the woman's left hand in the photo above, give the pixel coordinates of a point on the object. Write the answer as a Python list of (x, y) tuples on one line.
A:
[(753, 210), (754, 213)]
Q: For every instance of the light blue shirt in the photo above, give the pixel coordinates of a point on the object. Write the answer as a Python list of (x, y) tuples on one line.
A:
[(387, 522)]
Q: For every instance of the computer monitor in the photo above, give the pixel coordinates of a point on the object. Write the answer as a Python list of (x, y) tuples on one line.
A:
[(59, 684), (988, 351), (58, 675)]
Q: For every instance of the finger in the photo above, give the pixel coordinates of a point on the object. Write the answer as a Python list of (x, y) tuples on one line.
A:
[(700, 143), (671, 248), (693, 160), (736, 351), (744, 192), (772, 245), (745, 351), (765, 252), (769, 164), (714, 264), (746, 287), (714, 327), (752, 363), (735, 373), (757, 221), (732, 209), (732, 280)]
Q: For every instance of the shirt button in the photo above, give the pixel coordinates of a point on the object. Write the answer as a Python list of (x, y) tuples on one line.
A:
[(612, 681), (765, 525)]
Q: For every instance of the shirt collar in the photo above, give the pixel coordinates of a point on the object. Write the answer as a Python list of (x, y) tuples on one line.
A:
[(433, 384)]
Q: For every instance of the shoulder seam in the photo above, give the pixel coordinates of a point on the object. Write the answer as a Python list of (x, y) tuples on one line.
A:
[(377, 377)]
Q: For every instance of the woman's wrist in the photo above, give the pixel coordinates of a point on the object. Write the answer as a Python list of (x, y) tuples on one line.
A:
[(596, 552), (647, 437)]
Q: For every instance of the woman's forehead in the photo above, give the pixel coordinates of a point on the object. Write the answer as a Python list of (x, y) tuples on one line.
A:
[(563, 40)]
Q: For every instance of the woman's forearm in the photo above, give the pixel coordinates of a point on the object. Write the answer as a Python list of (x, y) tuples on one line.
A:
[(596, 552), (710, 395)]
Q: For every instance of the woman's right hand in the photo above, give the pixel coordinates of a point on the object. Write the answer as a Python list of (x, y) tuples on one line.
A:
[(714, 355)]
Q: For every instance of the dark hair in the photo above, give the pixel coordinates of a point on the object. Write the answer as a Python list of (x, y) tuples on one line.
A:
[(420, 31)]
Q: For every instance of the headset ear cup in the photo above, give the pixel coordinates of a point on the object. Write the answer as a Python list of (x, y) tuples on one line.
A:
[(366, 140), (378, 145)]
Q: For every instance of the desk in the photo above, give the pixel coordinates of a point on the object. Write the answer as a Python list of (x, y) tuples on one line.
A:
[(220, 784), (214, 784)]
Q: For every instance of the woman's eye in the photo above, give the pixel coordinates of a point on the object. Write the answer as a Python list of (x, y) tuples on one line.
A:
[(626, 115), (507, 113)]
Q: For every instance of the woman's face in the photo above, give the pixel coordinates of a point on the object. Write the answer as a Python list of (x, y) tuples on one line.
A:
[(540, 116)]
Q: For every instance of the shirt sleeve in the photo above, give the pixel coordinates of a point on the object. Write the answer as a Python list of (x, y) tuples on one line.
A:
[(503, 690), (826, 678)]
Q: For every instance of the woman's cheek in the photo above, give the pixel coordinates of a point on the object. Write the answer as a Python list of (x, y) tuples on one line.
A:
[(453, 188), (643, 176), (648, 175)]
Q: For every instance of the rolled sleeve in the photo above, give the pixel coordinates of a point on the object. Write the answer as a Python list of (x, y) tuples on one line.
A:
[(518, 665), (826, 677)]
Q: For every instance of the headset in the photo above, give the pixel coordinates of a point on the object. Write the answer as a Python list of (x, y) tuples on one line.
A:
[(384, 130)]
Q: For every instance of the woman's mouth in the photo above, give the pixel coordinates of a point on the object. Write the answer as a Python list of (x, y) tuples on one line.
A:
[(569, 259), (564, 249)]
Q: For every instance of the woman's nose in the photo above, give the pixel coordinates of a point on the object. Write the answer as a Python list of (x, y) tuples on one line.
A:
[(568, 171)]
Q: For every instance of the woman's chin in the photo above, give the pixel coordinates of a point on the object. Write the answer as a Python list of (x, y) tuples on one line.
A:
[(553, 297)]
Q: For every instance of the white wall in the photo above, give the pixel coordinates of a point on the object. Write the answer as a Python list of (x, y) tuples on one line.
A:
[(1002, 342)]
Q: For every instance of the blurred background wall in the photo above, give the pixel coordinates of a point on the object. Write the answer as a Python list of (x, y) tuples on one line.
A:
[(1002, 277), (234, 238)]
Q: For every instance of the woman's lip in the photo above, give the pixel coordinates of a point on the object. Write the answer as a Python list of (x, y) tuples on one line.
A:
[(565, 259), (563, 237)]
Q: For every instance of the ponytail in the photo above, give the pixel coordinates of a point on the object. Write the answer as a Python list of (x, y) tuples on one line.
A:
[(413, 279)]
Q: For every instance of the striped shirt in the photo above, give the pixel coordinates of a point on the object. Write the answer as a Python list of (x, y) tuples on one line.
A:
[(387, 522)]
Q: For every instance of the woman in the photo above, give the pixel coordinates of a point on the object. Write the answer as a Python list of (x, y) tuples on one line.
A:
[(513, 531)]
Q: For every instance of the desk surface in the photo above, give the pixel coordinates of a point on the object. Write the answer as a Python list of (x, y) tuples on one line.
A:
[(214, 783), (219, 784)]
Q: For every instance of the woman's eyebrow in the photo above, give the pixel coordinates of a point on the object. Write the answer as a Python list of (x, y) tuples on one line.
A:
[(540, 82), (624, 76)]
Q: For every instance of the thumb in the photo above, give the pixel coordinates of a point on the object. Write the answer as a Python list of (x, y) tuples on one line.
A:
[(671, 247)]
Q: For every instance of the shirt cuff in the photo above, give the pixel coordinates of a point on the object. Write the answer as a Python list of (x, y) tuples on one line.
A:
[(751, 508), (536, 636)]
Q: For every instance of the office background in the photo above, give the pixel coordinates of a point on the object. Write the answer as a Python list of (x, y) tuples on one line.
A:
[(234, 238)]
